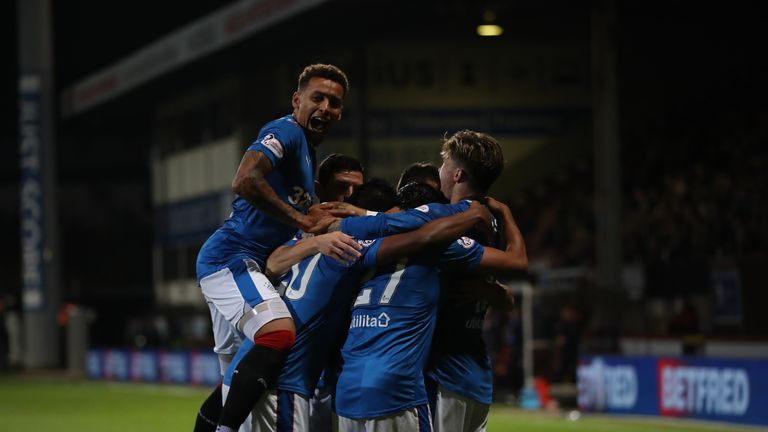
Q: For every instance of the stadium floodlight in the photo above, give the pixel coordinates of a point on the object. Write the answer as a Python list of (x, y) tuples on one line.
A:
[(488, 27), (489, 30)]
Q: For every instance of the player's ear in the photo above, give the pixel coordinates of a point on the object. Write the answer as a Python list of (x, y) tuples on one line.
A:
[(295, 100), (459, 176)]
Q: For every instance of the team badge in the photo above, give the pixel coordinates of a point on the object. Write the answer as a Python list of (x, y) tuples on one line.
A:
[(466, 242), (273, 144), (423, 208)]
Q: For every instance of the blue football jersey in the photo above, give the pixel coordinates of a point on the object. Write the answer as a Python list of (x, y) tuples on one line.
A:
[(459, 359), (393, 319), (248, 232), (319, 292), (384, 224)]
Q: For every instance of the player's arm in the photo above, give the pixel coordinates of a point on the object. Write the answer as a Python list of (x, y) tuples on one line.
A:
[(385, 224), (513, 258), (250, 182), (437, 232), (338, 246)]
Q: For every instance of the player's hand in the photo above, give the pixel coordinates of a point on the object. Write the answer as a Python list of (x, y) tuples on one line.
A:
[(320, 226), (317, 212), (339, 246), (497, 207), (341, 209)]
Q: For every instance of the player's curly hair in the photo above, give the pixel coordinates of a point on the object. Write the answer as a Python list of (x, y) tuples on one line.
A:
[(478, 154), (421, 172), (328, 71), (416, 194), (376, 194), (334, 163)]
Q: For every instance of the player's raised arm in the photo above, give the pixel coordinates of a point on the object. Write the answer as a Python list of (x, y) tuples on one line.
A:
[(250, 183)]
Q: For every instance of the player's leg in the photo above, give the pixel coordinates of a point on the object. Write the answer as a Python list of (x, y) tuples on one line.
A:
[(351, 425), (416, 419), (450, 411), (247, 299), (457, 413), (227, 340), (292, 412), (279, 411), (321, 408), (209, 412), (477, 417)]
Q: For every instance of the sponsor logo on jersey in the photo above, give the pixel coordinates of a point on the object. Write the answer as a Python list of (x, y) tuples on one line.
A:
[(475, 323), (273, 145), (466, 242), (382, 320)]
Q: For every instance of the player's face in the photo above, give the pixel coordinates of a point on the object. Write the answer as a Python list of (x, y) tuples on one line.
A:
[(341, 186), (318, 106), (448, 175)]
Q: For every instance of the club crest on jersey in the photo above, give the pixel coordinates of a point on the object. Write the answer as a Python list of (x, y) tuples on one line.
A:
[(273, 144), (423, 208), (466, 242)]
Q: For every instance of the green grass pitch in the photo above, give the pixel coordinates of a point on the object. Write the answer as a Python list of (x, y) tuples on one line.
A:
[(64, 405)]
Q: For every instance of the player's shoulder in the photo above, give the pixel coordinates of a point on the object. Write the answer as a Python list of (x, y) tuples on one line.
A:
[(285, 126), (279, 136)]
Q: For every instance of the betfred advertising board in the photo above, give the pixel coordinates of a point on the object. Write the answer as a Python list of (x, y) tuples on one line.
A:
[(729, 390)]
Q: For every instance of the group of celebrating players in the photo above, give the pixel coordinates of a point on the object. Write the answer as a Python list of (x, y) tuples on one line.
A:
[(363, 312)]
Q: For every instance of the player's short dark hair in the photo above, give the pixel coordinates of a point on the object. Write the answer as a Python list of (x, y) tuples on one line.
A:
[(334, 163), (419, 172), (416, 194), (478, 154), (328, 71), (376, 194)]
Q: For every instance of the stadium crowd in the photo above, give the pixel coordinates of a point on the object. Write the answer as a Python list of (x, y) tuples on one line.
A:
[(688, 208)]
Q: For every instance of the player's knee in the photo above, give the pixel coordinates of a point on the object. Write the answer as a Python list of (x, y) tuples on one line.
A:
[(279, 340), (266, 317)]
